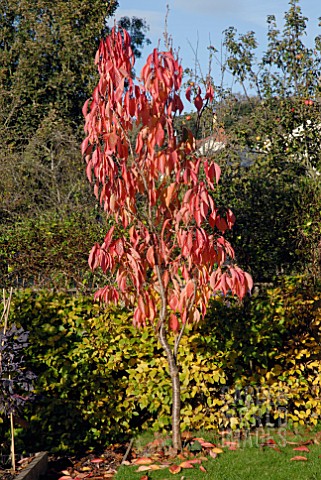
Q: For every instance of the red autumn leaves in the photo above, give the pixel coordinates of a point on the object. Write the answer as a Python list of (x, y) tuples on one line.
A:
[(156, 189), (198, 99), (301, 458), (166, 459)]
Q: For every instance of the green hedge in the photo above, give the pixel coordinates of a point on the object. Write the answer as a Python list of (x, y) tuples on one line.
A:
[(50, 250), (79, 395), (100, 379)]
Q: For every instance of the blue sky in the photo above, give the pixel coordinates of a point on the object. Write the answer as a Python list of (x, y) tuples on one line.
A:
[(194, 24)]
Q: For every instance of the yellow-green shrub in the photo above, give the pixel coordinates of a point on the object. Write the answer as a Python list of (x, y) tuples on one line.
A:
[(272, 356), (99, 378)]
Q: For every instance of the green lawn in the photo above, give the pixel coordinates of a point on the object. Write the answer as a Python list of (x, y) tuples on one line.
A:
[(248, 462)]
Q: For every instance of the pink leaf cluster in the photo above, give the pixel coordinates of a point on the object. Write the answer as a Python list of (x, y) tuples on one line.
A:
[(199, 101), (156, 190)]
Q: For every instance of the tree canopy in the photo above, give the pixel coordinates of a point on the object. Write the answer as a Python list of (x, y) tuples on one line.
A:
[(46, 52), (272, 156)]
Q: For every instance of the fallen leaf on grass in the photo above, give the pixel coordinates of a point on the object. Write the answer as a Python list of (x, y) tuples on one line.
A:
[(301, 449), (269, 443), (231, 444), (212, 454), (146, 468), (157, 467), (299, 458), (175, 469), (157, 456), (202, 469), (217, 450), (195, 460), (307, 442), (143, 468), (158, 442), (181, 456), (144, 477), (207, 444), (65, 477), (186, 465), (142, 461)]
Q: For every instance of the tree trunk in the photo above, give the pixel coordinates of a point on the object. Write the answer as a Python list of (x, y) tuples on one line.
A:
[(176, 390)]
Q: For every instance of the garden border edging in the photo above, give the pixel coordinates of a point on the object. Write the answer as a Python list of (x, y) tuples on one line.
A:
[(37, 467)]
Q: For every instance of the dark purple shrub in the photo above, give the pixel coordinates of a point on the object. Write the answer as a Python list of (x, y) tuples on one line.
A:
[(16, 381)]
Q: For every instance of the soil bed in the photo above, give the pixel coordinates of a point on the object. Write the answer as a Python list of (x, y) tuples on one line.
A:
[(92, 465), (22, 463)]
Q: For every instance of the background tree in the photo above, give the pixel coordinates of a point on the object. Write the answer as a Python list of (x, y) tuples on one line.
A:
[(44, 49), (46, 73), (162, 261), (45, 56), (272, 163)]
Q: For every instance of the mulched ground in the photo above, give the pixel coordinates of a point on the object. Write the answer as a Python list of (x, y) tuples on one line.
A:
[(5, 466), (157, 454), (104, 465), (154, 455), (6, 475), (91, 466)]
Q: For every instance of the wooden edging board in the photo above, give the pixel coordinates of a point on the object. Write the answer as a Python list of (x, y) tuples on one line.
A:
[(37, 467)]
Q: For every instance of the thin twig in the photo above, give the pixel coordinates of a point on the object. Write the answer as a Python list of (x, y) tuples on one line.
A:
[(167, 38), (127, 451), (13, 455)]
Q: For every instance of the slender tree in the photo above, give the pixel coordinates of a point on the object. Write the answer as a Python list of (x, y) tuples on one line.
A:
[(165, 253)]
